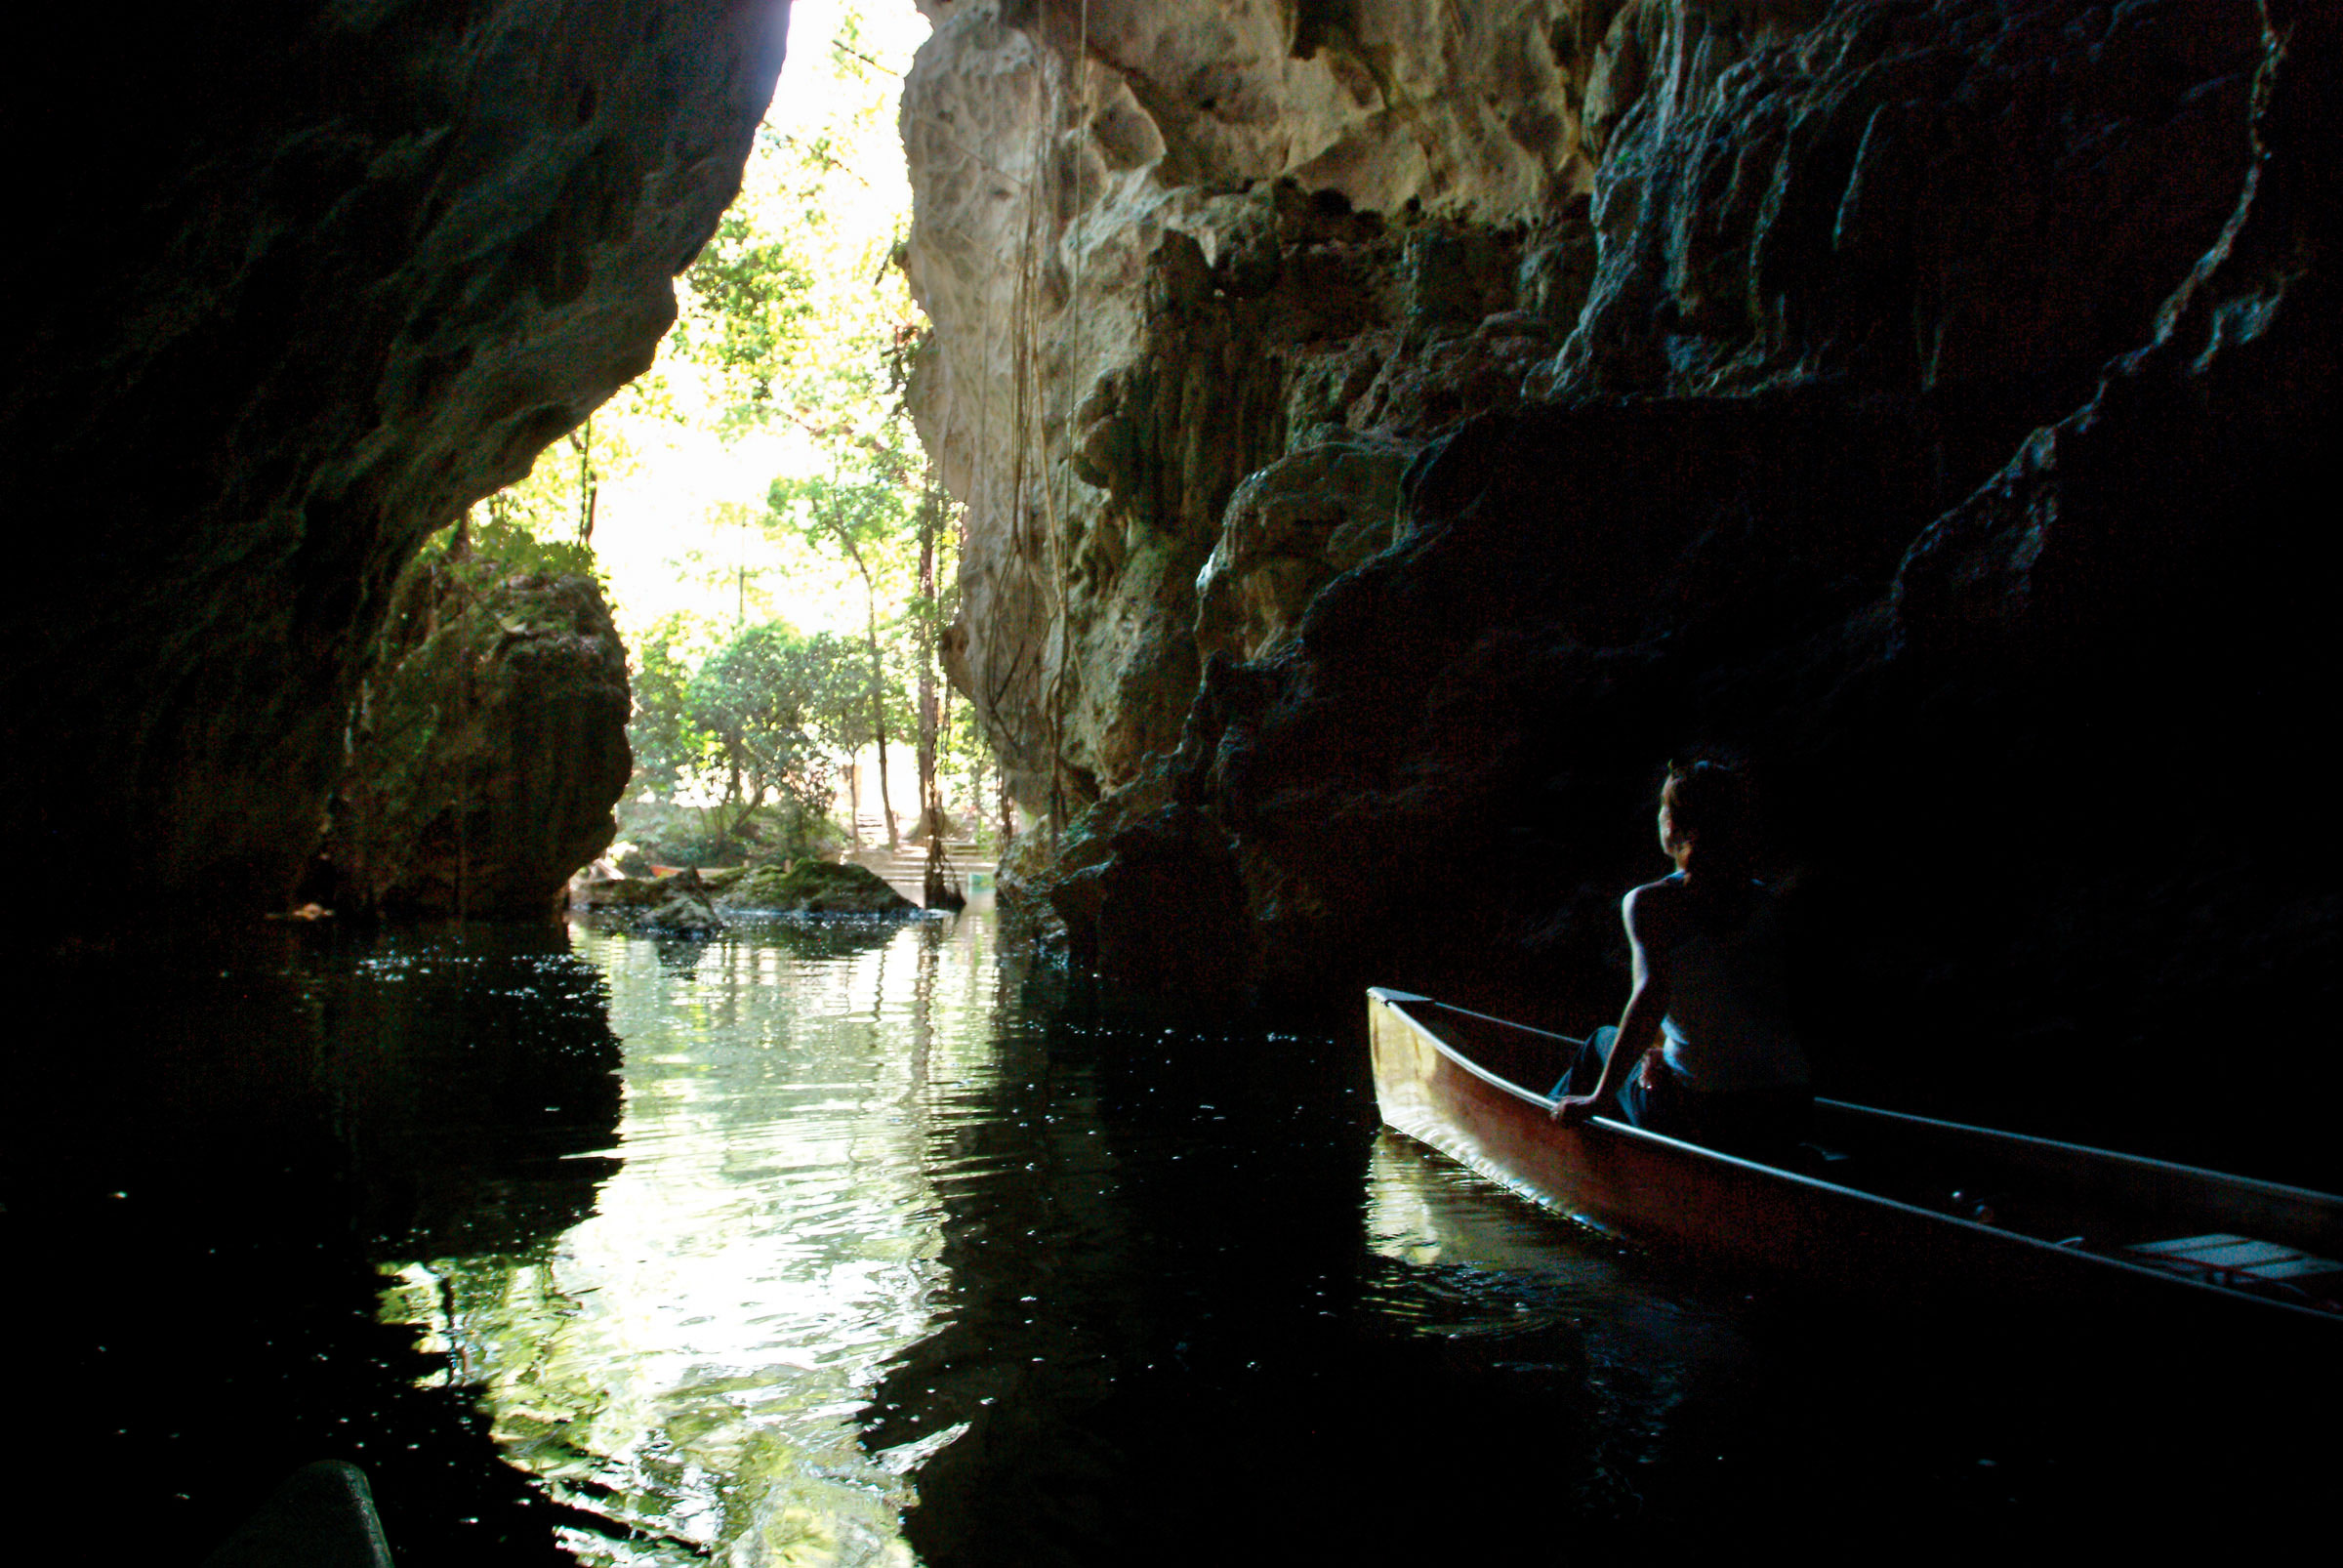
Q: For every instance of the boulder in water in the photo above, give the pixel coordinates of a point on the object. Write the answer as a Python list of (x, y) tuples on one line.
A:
[(815, 887), (488, 746), (618, 892), (685, 907)]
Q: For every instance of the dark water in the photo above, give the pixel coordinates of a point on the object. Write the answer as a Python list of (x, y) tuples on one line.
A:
[(873, 1245)]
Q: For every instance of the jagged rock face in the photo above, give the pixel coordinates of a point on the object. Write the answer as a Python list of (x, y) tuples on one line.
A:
[(1332, 504), (488, 747), (300, 283), (1227, 225), (1888, 393), (1129, 317), (1901, 192)]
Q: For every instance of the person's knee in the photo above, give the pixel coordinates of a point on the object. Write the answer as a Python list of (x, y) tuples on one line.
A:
[(1604, 1039)]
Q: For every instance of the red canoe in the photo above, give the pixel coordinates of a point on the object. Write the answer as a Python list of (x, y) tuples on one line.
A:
[(1897, 1204)]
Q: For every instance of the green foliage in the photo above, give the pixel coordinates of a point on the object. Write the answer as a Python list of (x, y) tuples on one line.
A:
[(745, 730), (672, 834), (495, 543), (795, 339), (789, 315), (749, 302), (557, 501), (753, 699), (862, 509), (669, 746)]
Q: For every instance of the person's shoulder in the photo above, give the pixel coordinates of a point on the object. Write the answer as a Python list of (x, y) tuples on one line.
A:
[(1654, 905)]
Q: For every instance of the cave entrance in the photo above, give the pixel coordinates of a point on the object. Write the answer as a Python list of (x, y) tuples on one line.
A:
[(758, 516)]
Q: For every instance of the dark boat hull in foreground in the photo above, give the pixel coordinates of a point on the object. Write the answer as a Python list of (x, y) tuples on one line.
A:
[(1898, 1205)]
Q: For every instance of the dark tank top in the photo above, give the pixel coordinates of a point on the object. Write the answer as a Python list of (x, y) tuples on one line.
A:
[(1727, 1027)]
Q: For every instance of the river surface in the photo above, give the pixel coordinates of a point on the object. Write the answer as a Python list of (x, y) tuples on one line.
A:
[(880, 1244)]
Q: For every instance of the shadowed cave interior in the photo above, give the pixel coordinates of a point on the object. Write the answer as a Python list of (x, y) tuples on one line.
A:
[(1387, 435)]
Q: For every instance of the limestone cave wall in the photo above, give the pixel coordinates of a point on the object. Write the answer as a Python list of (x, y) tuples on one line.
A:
[(1170, 250), (1390, 431), (292, 286), (1161, 247)]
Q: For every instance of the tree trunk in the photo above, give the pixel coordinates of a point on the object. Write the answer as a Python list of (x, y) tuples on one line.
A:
[(931, 802), (737, 786), (943, 736), (870, 622), (583, 440), (886, 806)]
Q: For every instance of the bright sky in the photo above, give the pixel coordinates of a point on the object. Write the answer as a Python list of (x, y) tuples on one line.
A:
[(650, 521)]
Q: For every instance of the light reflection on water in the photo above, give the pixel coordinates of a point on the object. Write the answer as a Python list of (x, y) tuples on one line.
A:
[(1482, 1262), (690, 1361), (739, 1248), (904, 1254), (754, 1348)]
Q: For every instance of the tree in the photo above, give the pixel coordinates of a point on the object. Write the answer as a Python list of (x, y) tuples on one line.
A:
[(754, 698), (925, 630), (863, 512), (739, 734), (794, 330), (746, 305), (670, 746)]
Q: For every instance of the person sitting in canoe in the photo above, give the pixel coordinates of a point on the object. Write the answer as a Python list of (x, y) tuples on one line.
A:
[(1704, 1051)]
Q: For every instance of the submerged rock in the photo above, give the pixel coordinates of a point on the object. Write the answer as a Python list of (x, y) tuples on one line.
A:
[(815, 887), (684, 902)]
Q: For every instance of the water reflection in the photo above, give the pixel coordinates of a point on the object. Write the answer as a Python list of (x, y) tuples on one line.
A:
[(854, 1244), (475, 1082), (1546, 1301), (1168, 1337), (690, 1362), (208, 1165)]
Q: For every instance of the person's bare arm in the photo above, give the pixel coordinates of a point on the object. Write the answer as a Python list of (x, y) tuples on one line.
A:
[(1644, 910)]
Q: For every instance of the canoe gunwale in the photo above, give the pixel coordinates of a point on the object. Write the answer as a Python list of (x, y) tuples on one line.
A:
[(2051, 1145), (1872, 1113), (1713, 1162), (1677, 1146)]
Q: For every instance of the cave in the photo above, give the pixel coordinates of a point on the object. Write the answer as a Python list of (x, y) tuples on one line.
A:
[(1388, 436), (1446, 420), (311, 281)]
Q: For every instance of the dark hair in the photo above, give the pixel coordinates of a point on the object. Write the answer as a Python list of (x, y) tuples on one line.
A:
[(1709, 801)]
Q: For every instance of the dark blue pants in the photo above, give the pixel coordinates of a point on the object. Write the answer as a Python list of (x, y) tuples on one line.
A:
[(1759, 1123)]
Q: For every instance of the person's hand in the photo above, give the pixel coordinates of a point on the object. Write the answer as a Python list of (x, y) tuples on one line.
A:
[(1647, 1072), (1572, 1110)]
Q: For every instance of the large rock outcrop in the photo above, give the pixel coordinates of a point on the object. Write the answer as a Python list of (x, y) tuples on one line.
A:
[(293, 286), (1166, 247), (1906, 396), (487, 747), (1134, 229)]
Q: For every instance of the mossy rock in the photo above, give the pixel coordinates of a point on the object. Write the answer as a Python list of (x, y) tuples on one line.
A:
[(815, 887), (619, 892), (685, 911)]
